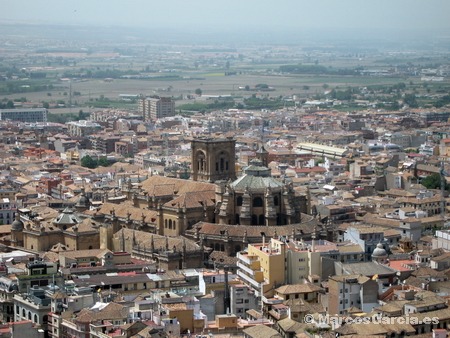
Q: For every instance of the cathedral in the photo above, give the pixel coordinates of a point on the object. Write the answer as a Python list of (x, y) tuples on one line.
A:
[(214, 211)]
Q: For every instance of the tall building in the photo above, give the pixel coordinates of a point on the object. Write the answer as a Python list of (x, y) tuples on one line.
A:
[(263, 267), (213, 159), (24, 115), (153, 108)]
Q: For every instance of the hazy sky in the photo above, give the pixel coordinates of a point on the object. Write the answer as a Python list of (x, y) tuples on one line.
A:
[(393, 15)]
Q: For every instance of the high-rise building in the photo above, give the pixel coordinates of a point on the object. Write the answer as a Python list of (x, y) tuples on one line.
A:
[(153, 108)]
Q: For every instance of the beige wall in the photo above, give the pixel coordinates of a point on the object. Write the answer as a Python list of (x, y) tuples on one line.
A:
[(272, 264)]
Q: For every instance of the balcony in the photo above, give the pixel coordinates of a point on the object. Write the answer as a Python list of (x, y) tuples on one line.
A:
[(256, 274), (246, 258), (249, 280), (271, 301)]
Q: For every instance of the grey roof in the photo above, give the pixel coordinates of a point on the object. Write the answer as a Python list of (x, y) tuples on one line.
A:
[(367, 269), (17, 225), (67, 217), (256, 177)]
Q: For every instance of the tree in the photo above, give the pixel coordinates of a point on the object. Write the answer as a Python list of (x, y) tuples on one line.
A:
[(103, 161), (433, 182), (10, 104), (88, 162), (198, 92), (410, 100), (46, 105)]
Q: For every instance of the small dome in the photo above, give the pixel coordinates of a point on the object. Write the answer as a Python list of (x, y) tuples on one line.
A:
[(17, 225), (379, 251)]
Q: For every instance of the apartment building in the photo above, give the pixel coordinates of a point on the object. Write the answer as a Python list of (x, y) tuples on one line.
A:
[(33, 305), (7, 211), (242, 299), (263, 266), (82, 128), (24, 115), (154, 108), (351, 291)]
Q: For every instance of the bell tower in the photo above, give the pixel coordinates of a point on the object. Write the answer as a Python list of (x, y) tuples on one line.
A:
[(213, 159)]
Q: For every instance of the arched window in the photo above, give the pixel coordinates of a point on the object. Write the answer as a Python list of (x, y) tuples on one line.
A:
[(201, 162), (261, 220), (257, 202), (170, 224), (24, 313), (254, 220), (239, 201), (165, 223), (222, 247), (35, 318), (275, 200), (90, 247), (217, 247), (237, 219), (29, 315)]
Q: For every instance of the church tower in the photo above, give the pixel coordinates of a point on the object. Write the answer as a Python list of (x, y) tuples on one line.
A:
[(213, 159)]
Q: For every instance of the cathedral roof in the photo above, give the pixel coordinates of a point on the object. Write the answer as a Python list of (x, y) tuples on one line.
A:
[(256, 177), (253, 182), (87, 225), (163, 186), (123, 209), (144, 239), (194, 199), (254, 231), (67, 217)]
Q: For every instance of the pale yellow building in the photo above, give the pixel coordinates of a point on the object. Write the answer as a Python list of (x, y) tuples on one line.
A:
[(263, 266)]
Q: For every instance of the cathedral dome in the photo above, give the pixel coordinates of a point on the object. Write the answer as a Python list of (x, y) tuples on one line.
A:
[(256, 177)]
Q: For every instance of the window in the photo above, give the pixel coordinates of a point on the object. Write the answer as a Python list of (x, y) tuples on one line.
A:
[(257, 202), (239, 201)]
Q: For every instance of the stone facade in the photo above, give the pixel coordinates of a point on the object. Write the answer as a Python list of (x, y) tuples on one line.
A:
[(213, 159)]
